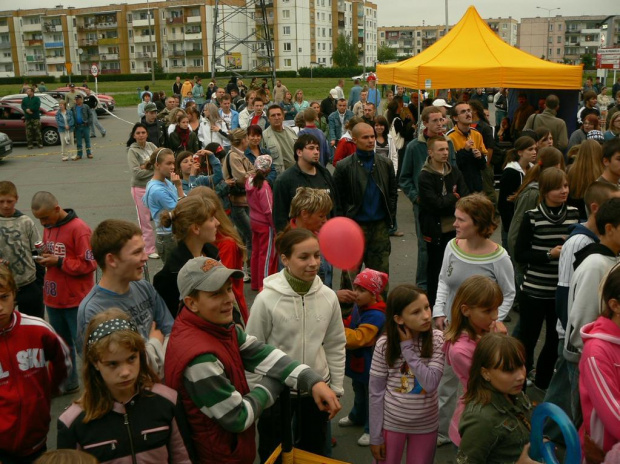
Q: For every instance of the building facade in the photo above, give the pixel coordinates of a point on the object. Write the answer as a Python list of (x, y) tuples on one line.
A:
[(179, 36)]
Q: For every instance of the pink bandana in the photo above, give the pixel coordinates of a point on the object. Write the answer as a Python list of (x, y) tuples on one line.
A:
[(373, 281)]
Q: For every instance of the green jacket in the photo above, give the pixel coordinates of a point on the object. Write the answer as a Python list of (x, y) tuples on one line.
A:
[(495, 433), (34, 104)]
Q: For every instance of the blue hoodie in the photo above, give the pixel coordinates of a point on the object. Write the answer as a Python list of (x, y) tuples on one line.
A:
[(157, 197)]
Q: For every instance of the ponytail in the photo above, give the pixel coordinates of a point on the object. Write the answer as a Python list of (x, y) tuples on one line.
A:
[(156, 156)]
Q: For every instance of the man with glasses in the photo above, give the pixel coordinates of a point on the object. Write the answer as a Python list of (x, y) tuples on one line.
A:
[(416, 154), (470, 150)]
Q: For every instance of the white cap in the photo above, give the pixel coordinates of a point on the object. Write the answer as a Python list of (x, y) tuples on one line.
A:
[(333, 93), (441, 102)]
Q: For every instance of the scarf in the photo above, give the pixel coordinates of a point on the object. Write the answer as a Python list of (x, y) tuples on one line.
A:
[(183, 135), (555, 215)]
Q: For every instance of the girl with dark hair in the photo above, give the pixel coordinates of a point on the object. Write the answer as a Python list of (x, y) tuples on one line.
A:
[(124, 412), (264, 261), (298, 313), (139, 151), (495, 426), (183, 138), (590, 123), (406, 369), (202, 168)]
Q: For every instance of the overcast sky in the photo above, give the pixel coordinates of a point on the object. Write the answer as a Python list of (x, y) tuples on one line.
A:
[(432, 12)]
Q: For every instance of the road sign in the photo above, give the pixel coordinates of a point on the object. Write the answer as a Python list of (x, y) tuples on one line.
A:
[(608, 58), (94, 70)]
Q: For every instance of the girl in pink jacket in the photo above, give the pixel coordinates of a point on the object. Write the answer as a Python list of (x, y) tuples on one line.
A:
[(599, 380), (260, 201)]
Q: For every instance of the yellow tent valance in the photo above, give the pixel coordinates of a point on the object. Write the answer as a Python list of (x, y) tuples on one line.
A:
[(472, 55)]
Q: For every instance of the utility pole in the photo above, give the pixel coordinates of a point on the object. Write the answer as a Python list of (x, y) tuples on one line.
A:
[(151, 45)]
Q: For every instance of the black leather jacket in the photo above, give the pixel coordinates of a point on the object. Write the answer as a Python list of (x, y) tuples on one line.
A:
[(351, 178)]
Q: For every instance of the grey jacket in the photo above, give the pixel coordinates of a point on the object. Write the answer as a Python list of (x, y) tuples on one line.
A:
[(549, 120)]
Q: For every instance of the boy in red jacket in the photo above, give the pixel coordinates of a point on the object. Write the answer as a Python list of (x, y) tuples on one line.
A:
[(34, 361), (70, 269)]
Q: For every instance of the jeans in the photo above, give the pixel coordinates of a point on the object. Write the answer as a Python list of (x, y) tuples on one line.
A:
[(575, 400), (360, 411), (64, 322), (82, 135), (240, 216), (94, 121), (420, 273), (164, 243), (558, 394)]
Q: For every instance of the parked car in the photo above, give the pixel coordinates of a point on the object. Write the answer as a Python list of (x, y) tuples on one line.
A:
[(12, 123), (103, 98), (60, 95), (364, 77), (6, 145), (47, 103)]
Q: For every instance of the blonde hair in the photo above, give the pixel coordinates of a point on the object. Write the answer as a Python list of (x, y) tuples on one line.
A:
[(588, 167), (310, 200), (236, 136), (188, 211), (66, 456), (97, 400), (226, 227), (475, 292)]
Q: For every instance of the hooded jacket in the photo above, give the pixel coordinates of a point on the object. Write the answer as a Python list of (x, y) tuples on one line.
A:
[(599, 383), (583, 295), (511, 180), (70, 281), (345, 147), (437, 199), (136, 158), (363, 328), (308, 328), (34, 361)]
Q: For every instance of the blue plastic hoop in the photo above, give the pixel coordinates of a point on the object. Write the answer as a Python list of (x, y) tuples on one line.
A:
[(545, 451)]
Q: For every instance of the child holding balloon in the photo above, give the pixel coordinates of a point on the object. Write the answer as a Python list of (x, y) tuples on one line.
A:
[(362, 328), (474, 313), (406, 369), (495, 426)]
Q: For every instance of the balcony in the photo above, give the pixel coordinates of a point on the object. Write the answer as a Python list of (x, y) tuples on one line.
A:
[(108, 41), (144, 55), (141, 38), (142, 22), (33, 42), (109, 57), (35, 58), (89, 58), (193, 53), (590, 31), (4, 29), (48, 27), (193, 19), (340, 23), (176, 54), (110, 71), (5, 45), (175, 37), (176, 20), (54, 44), (86, 27), (113, 25), (88, 42), (32, 27), (55, 59), (193, 36)]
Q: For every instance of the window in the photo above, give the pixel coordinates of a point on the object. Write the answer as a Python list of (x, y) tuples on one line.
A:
[(559, 39), (504, 26), (286, 14), (288, 62), (550, 27), (559, 27), (550, 52), (286, 30), (7, 55), (130, 33), (287, 46), (323, 46), (133, 65), (557, 51), (197, 62)]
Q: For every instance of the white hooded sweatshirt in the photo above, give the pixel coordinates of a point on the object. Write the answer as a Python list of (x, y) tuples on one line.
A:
[(308, 328)]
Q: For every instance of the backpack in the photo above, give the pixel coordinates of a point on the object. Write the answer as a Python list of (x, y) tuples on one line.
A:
[(397, 139)]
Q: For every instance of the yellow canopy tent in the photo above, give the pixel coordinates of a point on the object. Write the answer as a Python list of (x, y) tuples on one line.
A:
[(472, 55)]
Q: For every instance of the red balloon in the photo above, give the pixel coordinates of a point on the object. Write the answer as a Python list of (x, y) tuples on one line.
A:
[(342, 243)]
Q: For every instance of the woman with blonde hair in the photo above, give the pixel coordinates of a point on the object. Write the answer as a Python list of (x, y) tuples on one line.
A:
[(232, 252), (124, 412), (194, 227), (216, 130), (587, 167), (613, 131), (299, 102)]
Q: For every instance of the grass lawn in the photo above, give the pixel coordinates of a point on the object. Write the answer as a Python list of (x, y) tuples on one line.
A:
[(126, 94)]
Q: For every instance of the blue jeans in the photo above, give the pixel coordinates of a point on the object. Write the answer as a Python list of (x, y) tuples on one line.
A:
[(82, 134), (420, 273), (94, 122), (558, 394), (575, 400), (360, 410), (240, 216), (64, 322)]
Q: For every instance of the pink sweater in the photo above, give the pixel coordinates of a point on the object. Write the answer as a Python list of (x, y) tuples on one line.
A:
[(599, 383), (459, 355), (260, 202)]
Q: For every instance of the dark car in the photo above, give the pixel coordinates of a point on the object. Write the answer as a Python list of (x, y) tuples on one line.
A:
[(6, 145), (12, 123)]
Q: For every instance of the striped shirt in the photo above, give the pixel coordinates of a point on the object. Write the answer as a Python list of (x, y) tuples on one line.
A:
[(541, 231), (212, 392), (407, 407)]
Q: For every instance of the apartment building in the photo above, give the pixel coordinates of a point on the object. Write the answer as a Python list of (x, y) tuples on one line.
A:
[(411, 40), (565, 39), (180, 37)]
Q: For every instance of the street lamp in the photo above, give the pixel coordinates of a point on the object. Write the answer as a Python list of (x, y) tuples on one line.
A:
[(548, 10), (148, 14)]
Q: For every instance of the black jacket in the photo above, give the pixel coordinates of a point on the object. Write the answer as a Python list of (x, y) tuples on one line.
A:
[(328, 106), (286, 185), (174, 143), (157, 132), (351, 178), (436, 201), (165, 281)]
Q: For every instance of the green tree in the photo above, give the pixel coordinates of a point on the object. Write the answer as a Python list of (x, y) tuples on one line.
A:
[(588, 61), (345, 53), (385, 53)]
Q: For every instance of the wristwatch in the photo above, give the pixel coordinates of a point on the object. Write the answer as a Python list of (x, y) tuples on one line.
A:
[(549, 255)]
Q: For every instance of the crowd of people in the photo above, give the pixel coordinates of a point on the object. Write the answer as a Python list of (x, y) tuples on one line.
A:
[(232, 188)]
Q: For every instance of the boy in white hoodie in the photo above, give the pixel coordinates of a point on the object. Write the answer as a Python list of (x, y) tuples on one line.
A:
[(591, 265)]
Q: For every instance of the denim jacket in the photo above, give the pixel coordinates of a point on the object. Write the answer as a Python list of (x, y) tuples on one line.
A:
[(60, 120), (495, 433)]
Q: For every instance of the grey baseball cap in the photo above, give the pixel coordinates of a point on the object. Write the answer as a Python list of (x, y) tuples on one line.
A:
[(150, 107), (204, 274)]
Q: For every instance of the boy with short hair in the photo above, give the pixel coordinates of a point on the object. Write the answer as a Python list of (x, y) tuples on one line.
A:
[(440, 186), (34, 362), (118, 248), (18, 236), (611, 161), (206, 362), (362, 328)]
